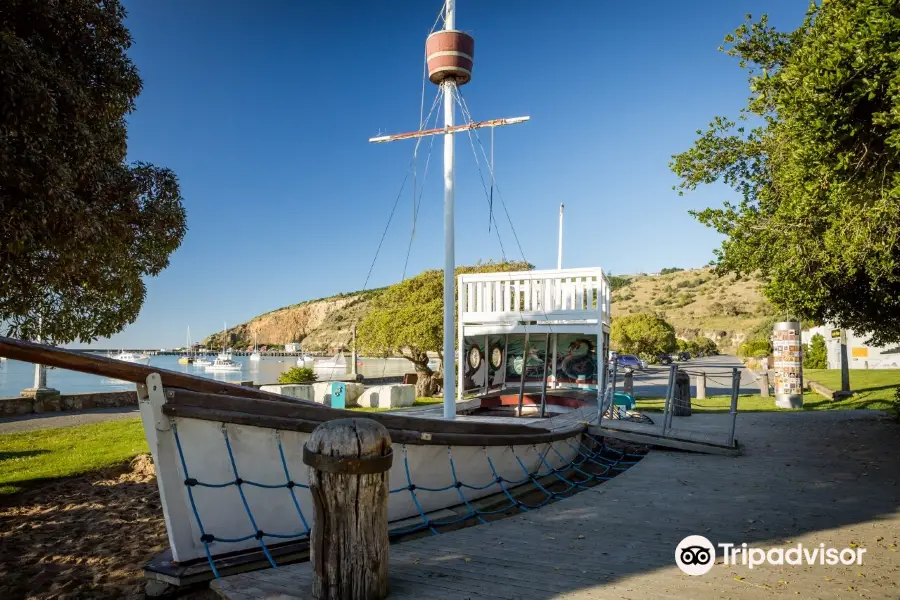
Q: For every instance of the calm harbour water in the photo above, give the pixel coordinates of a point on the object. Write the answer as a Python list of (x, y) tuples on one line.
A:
[(15, 376)]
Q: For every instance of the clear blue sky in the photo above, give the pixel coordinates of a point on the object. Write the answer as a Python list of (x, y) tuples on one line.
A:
[(263, 109)]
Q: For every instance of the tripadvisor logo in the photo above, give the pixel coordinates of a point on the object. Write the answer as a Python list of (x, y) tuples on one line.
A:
[(696, 555)]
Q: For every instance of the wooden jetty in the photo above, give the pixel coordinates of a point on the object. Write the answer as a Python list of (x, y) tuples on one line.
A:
[(810, 478)]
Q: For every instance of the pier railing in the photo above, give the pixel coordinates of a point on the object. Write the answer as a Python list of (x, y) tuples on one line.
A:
[(563, 296)]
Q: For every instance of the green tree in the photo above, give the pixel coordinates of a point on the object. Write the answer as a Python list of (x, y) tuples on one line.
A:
[(816, 356), (80, 228), (617, 282), (669, 270), (644, 334), (705, 346), (407, 319), (815, 158), (298, 375)]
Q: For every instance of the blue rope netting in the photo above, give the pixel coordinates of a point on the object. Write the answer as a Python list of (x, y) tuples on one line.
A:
[(608, 461)]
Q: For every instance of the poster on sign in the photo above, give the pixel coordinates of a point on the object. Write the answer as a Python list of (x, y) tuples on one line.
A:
[(788, 358)]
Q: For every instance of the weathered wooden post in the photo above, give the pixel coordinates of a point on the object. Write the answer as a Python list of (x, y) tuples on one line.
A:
[(349, 460), (628, 383), (681, 402), (764, 384)]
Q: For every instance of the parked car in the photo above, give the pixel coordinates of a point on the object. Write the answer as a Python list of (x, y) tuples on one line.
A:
[(664, 359), (627, 361), (684, 356)]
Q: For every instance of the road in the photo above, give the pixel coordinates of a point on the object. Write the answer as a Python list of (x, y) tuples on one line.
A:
[(65, 419), (653, 381)]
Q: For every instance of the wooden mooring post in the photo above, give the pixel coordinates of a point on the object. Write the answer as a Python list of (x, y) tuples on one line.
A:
[(701, 386), (764, 384), (348, 461), (628, 383)]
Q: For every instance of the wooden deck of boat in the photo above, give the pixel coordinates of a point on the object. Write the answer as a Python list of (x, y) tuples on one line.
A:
[(812, 477)]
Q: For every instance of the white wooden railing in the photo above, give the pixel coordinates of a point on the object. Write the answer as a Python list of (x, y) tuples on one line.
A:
[(565, 295)]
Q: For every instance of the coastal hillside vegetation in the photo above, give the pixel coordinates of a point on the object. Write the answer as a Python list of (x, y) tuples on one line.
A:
[(698, 303)]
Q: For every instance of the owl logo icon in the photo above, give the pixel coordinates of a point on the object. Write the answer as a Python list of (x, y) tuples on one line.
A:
[(695, 555)]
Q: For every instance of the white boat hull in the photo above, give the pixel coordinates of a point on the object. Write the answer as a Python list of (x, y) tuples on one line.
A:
[(257, 458), (223, 369)]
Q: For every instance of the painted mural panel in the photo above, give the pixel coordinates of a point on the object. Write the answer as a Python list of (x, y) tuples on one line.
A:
[(576, 359), (503, 359)]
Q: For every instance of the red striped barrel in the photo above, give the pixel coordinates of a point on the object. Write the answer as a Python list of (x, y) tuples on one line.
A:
[(450, 55)]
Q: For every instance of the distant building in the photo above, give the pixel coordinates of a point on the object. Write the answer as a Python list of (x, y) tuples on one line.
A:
[(859, 353), (292, 347)]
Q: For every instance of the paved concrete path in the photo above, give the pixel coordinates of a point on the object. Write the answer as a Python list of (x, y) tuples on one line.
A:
[(830, 477), (66, 419)]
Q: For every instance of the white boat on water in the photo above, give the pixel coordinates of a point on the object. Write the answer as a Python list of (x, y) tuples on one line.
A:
[(336, 362), (305, 360), (256, 355), (131, 357), (202, 361), (224, 364)]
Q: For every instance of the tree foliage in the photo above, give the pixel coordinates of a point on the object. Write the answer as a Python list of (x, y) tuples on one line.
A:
[(698, 346), (406, 319), (298, 375), (80, 228), (617, 282), (755, 348), (816, 356), (670, 270), (815, 158), (644, 334)]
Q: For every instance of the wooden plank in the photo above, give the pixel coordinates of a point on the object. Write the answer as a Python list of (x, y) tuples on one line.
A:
[(719, 438), (400, 436), (317, 414), (666, 442)]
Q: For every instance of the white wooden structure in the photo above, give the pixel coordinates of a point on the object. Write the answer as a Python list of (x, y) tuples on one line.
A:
[(544, 302)]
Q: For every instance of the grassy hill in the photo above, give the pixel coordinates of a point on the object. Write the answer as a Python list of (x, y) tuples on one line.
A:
[(695, 301)]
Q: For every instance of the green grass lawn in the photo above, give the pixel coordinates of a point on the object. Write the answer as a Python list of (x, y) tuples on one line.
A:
[(33, 456), (423, 401), (869, 384), (872, 389)]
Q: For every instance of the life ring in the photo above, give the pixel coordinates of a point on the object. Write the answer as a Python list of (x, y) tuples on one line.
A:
[(474, 358), (496, 357)]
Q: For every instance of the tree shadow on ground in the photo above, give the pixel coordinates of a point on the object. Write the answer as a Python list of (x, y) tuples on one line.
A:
[(21, 454)]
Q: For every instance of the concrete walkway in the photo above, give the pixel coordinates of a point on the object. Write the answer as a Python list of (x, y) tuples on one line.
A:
[(66, 419), (830, 477)]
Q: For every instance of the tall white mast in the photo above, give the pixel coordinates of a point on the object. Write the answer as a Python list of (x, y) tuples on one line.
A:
[(449, 366), (449, 55)]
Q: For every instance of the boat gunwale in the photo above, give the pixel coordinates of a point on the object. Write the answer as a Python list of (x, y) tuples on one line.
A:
[(319, 414), (398, 436)]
